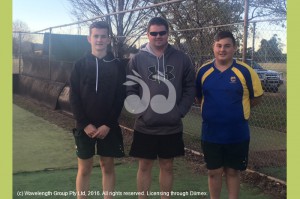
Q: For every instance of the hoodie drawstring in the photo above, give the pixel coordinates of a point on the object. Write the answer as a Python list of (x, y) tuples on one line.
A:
[(164, 67), (149, 49), (96, 74), (158, 67)]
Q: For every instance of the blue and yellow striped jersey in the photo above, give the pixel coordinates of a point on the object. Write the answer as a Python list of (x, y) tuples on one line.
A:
[(225, 101)]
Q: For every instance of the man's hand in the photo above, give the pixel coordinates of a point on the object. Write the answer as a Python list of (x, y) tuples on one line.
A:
[(255, 101), (198, 101), (90, 130), (101, 132)]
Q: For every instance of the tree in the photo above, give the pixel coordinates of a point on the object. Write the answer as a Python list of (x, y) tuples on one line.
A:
[(270, 50), (21, 38), (20, 26), (194, 16), (267, 8), (122, 24)]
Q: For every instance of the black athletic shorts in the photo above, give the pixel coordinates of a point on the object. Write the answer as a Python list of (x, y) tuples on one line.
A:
[(153, 146), (233, 156), (110, 146)]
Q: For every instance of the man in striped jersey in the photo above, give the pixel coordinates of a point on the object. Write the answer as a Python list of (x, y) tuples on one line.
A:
[(226, 89)]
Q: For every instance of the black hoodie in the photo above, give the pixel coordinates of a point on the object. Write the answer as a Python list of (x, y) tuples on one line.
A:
[(97, 92)]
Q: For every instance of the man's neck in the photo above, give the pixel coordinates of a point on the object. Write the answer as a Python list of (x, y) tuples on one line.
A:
[(158, 51), (99, 54), (222, 66)]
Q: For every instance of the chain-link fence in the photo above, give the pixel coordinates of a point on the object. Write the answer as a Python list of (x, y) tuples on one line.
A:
[(268, 120), (50, 55)]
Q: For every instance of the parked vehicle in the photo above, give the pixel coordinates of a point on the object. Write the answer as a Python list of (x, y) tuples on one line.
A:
[(270, 79)]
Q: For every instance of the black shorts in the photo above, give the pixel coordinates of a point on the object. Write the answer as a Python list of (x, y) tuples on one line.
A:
[(233, 156), (153, 146), (110, 146)]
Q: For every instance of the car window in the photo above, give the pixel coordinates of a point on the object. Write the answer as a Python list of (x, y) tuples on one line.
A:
[(254, 64)]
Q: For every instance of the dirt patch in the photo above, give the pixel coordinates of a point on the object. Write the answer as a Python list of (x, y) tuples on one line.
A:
[(53, 116), (276, 189), (260, 159)]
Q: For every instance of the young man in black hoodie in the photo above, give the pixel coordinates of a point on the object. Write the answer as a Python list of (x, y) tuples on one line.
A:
[(160, 92), (97, 96)]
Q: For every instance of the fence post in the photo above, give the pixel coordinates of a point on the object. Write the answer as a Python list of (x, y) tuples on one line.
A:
[(49, 64), (253, 41), (245, 30), (20, 52)]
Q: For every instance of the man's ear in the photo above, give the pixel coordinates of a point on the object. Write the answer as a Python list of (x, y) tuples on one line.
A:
[(89, 38)]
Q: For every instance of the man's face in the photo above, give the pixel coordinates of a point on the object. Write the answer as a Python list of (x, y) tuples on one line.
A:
[(161, 38), (224, 50), (99, 39)]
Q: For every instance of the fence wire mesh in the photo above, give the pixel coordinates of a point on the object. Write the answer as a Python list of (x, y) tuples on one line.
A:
[(51, 54)]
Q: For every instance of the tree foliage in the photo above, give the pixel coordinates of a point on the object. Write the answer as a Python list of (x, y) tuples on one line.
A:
[(267, 8), (20, 26), (198, 15), (122, 24), (270, 50), (21, 38), (189, 20)]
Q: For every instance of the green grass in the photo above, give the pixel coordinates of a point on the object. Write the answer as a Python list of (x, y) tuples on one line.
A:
[(263, 136), (38, 144), (266, 140), (64, 181), (270, 113), (261, 139), (279, 67), (267, 128), (279, 172), (44, 161)]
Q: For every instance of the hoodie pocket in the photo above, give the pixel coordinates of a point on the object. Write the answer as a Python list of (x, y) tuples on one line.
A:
[(151, 118)]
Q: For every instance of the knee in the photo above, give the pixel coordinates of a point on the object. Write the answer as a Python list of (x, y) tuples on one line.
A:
[(215, 173), (145, 166), (232, 172), (144, 169), (166, 166), (85, 171), (107, 166)]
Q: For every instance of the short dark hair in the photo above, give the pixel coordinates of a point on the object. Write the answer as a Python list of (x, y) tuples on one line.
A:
[(224, 34), (100, 25), (158, 21)]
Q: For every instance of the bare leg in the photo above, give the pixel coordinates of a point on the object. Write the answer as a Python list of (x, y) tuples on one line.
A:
[(144, 176), (215, 182), (108, 176), (166, 177), (233, 182), (85, 167)]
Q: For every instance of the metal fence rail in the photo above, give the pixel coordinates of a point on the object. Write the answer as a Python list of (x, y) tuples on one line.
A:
[(37, 54)]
